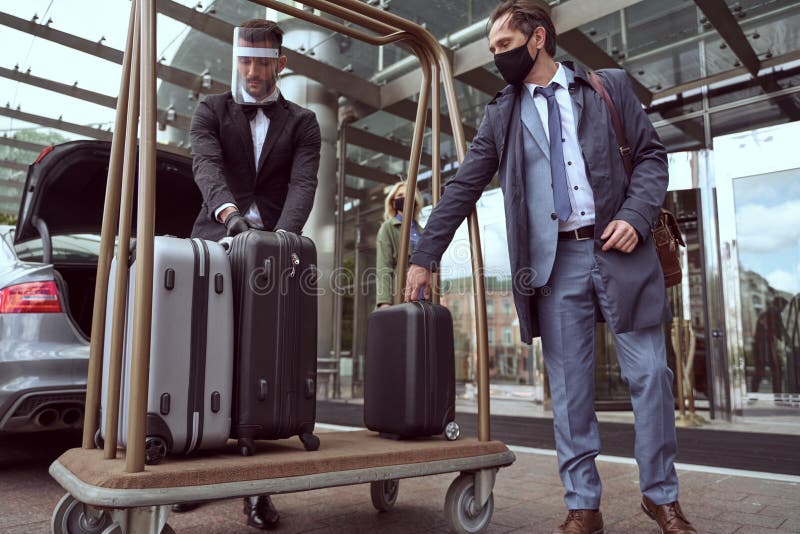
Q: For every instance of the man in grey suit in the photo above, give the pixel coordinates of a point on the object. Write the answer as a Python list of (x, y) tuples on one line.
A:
[(255, 160), (580, 249)]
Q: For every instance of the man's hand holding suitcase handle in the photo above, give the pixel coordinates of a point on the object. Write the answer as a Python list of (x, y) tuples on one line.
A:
[(418, 283), (235, 223)]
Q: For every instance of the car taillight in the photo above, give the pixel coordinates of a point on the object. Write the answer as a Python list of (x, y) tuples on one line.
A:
[(43, 153), (31, 297)]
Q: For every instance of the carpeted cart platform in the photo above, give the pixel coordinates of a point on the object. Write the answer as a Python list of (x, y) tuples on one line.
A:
[(283, 466)]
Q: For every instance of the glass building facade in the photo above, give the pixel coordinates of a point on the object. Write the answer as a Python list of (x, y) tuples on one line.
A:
[(725, 106)]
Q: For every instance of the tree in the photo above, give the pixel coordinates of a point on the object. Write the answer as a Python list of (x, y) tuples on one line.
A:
[(9, 194)]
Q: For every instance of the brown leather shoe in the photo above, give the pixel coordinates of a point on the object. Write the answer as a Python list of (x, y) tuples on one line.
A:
[(669, 517), (581, 522)]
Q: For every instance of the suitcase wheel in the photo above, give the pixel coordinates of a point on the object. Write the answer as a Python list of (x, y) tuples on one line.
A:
[(310, 441), (452, 431), (247, 446), (155, 449), (98, 439)]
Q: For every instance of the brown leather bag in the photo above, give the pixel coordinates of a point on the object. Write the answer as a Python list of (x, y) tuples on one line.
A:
[(666, 233)]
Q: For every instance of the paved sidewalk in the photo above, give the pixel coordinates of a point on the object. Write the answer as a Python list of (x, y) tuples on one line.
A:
[(527, 499)]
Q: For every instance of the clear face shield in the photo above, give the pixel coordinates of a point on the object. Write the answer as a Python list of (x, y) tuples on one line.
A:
[(256, 63)]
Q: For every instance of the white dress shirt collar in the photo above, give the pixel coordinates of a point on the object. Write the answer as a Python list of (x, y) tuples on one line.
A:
[(560, 77), (246, 97)]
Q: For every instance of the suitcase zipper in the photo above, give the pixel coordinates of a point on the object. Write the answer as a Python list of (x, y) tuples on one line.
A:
[(294, 305), (202, 355), (280, 407), (426, 365), (287, 364), (197, 351)]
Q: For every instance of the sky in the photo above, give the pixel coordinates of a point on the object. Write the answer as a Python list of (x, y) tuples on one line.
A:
[(89, 19), (758, 176)]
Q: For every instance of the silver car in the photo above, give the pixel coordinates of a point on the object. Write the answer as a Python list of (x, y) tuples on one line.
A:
[(48, 267)]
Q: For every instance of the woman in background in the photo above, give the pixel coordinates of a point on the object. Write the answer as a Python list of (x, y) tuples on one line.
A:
[(388, 241)]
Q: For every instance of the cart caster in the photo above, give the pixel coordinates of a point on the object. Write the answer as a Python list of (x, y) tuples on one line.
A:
[(460, 507), (98, 439), (247, 446), (384, 494), (452, 431), (71, 516), (155, 449), (310, 441)]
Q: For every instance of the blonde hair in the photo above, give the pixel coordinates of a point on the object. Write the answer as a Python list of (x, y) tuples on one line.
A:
[(389, 212)]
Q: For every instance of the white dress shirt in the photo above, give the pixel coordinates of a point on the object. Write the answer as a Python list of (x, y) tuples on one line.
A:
[(258, 129), (580, 191)]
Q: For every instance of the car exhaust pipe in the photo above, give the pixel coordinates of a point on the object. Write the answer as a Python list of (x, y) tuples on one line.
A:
[(72, 417), (47, 417)]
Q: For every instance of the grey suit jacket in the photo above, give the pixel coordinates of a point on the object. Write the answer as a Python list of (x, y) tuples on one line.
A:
[(634, 282), (284, 182)]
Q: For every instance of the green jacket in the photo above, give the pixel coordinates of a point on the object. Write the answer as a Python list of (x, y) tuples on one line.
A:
[(387, 244)]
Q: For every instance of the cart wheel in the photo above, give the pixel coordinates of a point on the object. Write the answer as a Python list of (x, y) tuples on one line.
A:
[(155, 449), (98, 439), (73, 517), (452, 431), (247, 446), (384, 494), (310, 441), (461, 509)]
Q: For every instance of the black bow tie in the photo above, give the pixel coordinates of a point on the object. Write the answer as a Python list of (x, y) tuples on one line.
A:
[(268, 108)]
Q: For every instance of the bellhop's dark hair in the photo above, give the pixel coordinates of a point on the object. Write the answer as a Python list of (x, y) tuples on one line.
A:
[(261, 30)]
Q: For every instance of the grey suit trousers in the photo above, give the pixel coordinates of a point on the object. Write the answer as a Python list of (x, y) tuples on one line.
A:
[(566, 308)]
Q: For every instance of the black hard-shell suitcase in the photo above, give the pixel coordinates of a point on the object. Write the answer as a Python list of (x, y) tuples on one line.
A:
[(275, 322), (410, 371)]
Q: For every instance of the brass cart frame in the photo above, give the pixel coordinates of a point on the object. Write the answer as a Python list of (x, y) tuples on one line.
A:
[(118, 501)]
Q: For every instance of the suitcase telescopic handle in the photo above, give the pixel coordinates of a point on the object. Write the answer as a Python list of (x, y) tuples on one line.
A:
[(268, 269)]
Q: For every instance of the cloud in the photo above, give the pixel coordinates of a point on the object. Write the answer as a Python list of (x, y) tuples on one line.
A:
[(768, 229), (785, 281)]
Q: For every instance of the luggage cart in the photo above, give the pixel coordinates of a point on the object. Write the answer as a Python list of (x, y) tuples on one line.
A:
[(103, 498), (110, 494)]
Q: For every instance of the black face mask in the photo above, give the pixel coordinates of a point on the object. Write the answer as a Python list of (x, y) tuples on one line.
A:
[(398, 204), (515, 64)]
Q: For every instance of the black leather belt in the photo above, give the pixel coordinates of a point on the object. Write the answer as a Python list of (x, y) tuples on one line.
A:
[(579, 234)]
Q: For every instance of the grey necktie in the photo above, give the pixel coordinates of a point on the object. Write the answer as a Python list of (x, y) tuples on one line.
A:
[(557, 167)]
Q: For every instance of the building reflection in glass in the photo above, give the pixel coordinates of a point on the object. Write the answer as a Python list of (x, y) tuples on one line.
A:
[(767, 211)]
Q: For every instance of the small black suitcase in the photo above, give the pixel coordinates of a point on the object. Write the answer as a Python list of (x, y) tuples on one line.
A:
[(409, 388), (275, 349)]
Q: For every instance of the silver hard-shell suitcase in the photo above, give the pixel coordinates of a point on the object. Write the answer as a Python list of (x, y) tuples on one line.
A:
[(191, 348)]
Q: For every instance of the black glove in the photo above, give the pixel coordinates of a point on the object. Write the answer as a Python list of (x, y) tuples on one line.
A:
[(236, 224)]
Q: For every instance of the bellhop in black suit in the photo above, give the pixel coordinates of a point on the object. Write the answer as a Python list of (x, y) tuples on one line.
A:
[(283, 183)]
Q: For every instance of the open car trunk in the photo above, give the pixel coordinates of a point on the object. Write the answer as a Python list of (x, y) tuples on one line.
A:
[(76, 285), (62, 210)]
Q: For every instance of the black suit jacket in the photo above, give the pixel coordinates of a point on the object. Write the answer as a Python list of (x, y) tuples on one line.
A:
[(285, 180)]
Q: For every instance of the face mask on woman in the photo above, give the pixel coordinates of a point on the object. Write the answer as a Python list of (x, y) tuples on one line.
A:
[(398, 204)]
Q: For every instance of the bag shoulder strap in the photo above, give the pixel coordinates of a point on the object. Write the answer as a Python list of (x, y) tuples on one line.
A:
[(624, 148)]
